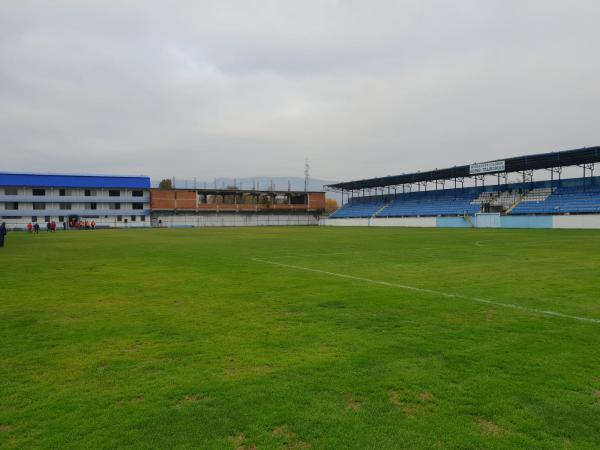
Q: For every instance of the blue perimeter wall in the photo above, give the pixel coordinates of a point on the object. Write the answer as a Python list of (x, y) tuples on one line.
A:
[(505, 222)]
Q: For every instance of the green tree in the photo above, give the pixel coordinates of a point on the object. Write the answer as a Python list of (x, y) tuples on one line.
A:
[(165, 184)]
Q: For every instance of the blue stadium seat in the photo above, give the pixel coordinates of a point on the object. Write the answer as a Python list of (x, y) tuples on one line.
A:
[(448, 202), (566, 196), (565, 199)]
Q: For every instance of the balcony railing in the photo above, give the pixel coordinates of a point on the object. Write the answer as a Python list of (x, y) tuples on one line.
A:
[(236, 207), (72, 199), (72, 212)]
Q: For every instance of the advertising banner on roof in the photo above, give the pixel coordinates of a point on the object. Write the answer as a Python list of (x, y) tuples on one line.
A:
[(486, 167)]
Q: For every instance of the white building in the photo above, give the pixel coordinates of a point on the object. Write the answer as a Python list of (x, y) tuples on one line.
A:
[(110, 201)]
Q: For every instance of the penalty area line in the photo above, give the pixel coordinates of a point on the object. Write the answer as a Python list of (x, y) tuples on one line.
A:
[(431, 291)]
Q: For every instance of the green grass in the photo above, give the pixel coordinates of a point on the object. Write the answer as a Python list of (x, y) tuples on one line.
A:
[(180, 339)]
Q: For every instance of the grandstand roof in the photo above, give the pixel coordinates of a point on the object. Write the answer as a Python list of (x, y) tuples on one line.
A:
[(516, 164), (73, 181)]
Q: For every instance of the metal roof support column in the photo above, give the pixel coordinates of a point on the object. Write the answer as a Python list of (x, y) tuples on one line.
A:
[(558, 170), (587, 166), (479, 177)]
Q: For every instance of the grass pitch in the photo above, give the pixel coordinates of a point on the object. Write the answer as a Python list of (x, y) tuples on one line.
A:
[(300, 338)]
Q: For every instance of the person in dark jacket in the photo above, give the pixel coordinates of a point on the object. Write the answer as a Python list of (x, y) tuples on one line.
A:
[(2, 233)]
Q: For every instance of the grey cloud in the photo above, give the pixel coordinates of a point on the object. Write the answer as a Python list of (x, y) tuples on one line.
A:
[(239, 88)]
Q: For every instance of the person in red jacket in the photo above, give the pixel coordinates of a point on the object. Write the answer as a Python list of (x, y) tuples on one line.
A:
[(29, 227)]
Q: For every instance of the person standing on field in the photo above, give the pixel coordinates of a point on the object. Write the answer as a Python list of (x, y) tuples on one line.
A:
[(2, 233)]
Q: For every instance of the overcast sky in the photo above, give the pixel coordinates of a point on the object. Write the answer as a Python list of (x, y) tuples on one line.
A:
[(243, 88)]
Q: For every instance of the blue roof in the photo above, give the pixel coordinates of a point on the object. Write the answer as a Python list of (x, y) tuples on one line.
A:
[(73, 181)]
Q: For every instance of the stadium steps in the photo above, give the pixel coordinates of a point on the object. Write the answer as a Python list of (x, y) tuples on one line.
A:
[(519, 200), (469, 220), (376, 213)]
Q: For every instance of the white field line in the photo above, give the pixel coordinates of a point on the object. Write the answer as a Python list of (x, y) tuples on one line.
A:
[(384, 252), (309, 255), (431, 291)]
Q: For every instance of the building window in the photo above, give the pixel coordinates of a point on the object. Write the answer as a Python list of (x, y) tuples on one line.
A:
[(94, 206), (114, 193), (39, 192), (61, 218), (13, 206), (143, 218), (47, 219), (11, 191), (137, 206), (34, 218), (137, 193), (133, 218), (114, 206), (90, 193), (119, 218), (65, 206), (39, 206), (64, 192)]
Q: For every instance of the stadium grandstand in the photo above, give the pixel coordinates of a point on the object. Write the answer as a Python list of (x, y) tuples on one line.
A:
[(443, 196)]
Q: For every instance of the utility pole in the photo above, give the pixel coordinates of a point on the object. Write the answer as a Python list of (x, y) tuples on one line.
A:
[(306, 175)]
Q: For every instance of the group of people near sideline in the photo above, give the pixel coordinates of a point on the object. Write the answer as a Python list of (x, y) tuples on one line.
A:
[(50, 227), (82, 224)]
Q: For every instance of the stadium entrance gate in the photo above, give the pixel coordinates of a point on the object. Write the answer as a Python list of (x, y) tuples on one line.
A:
[(487, 220)]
